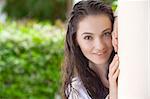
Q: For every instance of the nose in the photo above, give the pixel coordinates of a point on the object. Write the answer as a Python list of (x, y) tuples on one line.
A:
[(99, 44)]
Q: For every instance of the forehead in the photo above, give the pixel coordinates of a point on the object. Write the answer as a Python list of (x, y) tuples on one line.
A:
[(94, 24)]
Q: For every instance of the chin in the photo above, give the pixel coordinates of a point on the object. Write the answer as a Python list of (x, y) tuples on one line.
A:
[(100, 62)]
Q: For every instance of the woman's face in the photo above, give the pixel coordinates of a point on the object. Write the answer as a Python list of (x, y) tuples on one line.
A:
[(94, 38)]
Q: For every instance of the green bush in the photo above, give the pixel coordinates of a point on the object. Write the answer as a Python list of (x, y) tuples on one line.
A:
[(37, 9), (41, 9), (30, 59)]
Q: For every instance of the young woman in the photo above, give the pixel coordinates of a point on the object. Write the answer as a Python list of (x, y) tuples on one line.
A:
[(91, 66)]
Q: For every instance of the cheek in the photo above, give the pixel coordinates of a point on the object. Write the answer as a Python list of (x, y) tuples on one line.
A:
[(85, 46), (108, 45), (108, 42)]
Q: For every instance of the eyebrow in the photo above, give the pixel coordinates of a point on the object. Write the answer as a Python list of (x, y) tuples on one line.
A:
[(93, 33), (106, 30)]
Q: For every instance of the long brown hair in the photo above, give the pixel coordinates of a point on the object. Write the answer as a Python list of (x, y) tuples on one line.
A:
[(74, 59)]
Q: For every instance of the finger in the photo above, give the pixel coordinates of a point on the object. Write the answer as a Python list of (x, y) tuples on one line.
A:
[(115, 31), (113, 61), (116, 48), (114, 34), (116, 74), (115, 43), (115, 40), (115, 67), (116, 25), (112, 67)]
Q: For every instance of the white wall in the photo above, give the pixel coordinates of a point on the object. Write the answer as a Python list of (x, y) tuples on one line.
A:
[(133, 49), (149, 48)]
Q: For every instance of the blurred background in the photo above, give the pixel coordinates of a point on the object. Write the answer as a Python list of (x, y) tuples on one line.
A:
[(31, 47)]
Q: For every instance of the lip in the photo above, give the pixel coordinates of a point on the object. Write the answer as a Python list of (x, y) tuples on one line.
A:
[(100, 54)]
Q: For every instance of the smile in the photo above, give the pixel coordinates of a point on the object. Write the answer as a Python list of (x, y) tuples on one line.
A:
[(100, 54)]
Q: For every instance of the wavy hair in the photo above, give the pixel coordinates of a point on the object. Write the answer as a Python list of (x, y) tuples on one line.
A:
[(75, 63)]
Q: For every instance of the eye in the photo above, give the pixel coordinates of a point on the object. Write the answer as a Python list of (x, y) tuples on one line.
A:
[(107, 34), (88, 38)]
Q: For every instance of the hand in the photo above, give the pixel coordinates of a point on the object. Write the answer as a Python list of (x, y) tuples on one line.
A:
[(113, 78), (115, 35)]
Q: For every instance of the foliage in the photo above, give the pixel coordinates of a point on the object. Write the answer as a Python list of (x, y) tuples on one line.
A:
[(37, 9), (41, 9), (30, 57), (113, 3)]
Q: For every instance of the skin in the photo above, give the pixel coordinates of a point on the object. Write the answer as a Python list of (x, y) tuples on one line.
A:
[(95, 40), (115, 70), (115, 35)]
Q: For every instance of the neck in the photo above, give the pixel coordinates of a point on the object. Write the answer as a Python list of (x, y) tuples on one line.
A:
[(101, 70)]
